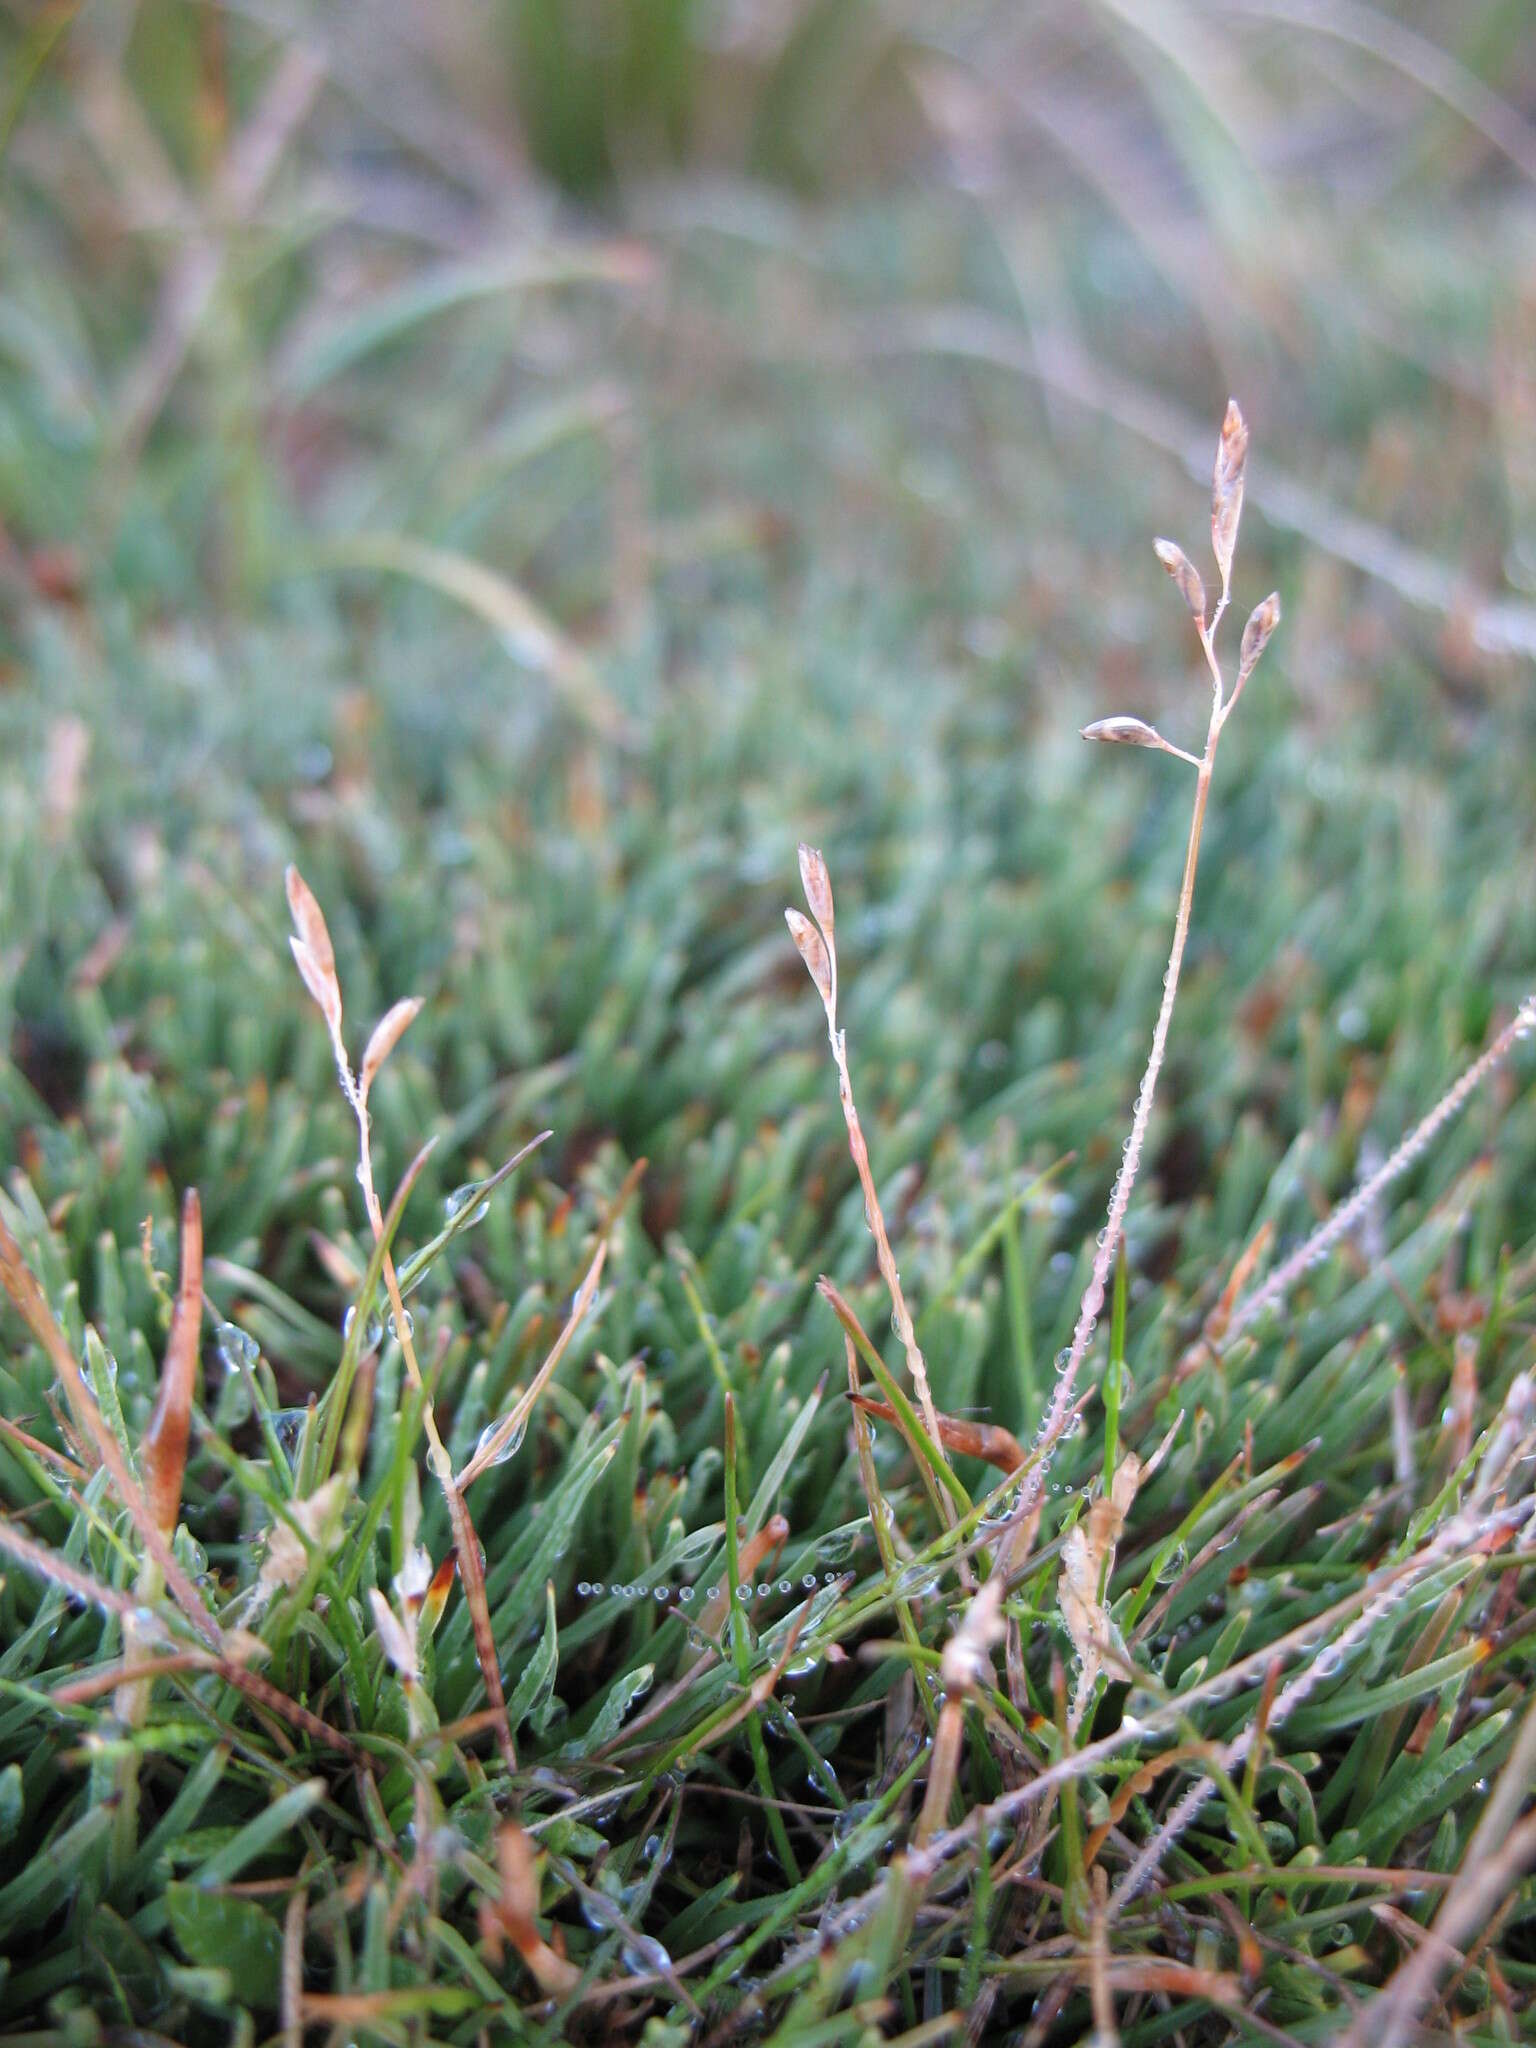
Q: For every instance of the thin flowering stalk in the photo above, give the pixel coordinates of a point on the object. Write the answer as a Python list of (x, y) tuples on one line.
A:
[(1226, 507), (817, 944), (316, 961), (1349, 1214)]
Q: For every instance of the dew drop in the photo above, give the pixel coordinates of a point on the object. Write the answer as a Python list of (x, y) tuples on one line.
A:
[(510, 1448), (288, 1427), (409, 1326), (373, 1335), (456, 1203), (237, 1347), (644, 1956)]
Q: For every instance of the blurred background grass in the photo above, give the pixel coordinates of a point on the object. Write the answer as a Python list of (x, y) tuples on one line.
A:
[(515, 453)]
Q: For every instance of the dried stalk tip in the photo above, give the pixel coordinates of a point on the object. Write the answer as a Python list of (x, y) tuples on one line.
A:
[(309, 920), (813, 951), (1262, 621), (1123, 731), (1185, 575), (387, 1034), (312, 950), (1227, 488), (817, 884)]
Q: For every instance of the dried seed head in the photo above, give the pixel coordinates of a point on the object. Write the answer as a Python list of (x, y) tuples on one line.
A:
[(313, 953), (309, 920), (967, 1659), (813, 951), (1124, 731), (320, 985), (1262, 621), (1184, 574), (387, 1034), (817, 884), (1227, 488)]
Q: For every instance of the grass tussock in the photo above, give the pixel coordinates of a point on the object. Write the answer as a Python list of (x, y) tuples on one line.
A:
[(532, 1509)]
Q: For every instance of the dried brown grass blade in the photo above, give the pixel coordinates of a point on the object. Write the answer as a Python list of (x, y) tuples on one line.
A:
[(514, 1916), (32, 1306), (163, 1450), (988, 1441)]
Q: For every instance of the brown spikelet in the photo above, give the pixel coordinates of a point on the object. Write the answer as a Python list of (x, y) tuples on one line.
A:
[(1184, 574), (813, 951), (387, 1034), (1124, 731), (817, 884), (309, 920), (1262, 621), (313, 953), (163, 1453), (1227, 488)]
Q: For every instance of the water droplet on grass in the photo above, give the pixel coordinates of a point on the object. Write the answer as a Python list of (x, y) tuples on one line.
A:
[(644, 1956), (373, 1334), (236, 1347), (510, 1448), (288, 1427)]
